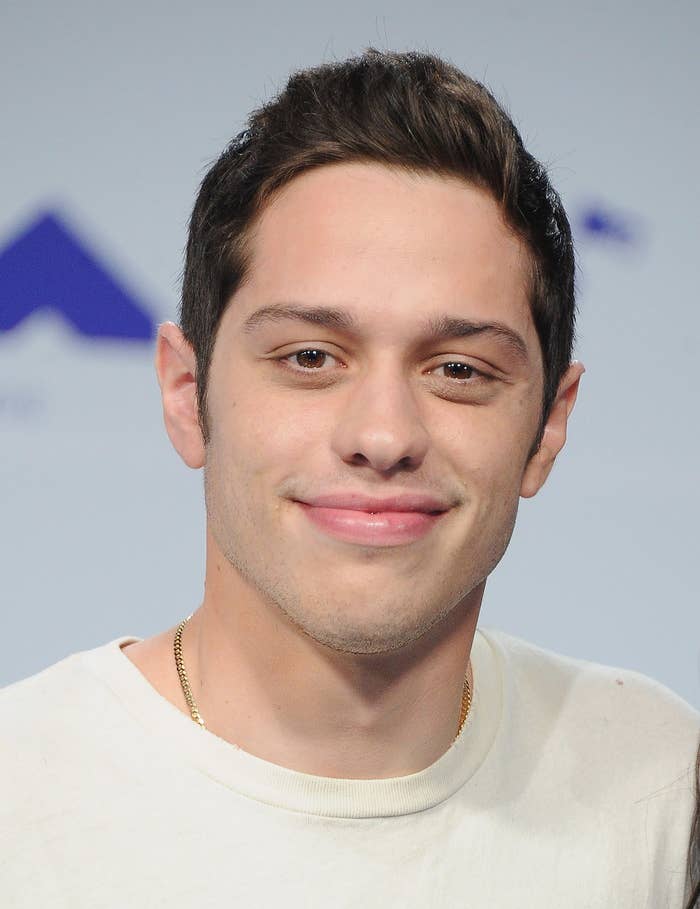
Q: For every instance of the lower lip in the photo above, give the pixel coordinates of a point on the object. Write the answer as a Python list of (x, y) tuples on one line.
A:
[(385, 528)]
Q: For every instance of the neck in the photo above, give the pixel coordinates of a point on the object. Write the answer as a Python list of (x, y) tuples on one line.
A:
[(263, 684)]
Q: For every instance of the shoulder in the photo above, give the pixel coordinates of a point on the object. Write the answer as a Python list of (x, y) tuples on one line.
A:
[(600, 759), (46, 718), (44, 694), (67, 671), (606, 692), (40, 723), (599, 720)]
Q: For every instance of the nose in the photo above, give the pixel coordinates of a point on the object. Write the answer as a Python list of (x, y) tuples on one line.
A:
[(380, 424)]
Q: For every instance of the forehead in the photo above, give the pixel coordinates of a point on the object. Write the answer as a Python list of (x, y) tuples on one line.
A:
[(392, 247)]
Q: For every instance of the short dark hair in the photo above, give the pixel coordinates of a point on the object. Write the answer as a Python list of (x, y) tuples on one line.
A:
[(408, 110)]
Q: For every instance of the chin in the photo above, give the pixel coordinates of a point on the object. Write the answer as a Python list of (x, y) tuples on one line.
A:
[(366, 637)]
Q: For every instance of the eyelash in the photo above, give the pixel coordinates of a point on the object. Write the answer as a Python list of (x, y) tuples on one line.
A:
[(479, 376)]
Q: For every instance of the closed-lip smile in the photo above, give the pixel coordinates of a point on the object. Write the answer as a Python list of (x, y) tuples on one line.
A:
[(352, 501), (393, 520)]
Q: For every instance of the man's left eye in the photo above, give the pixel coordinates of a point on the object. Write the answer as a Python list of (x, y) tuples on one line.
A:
[(467, 370)]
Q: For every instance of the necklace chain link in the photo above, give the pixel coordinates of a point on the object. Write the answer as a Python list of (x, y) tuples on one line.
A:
[(197, 717)]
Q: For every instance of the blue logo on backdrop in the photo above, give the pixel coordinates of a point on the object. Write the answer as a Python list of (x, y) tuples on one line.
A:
[(601, 223), (48, 267)]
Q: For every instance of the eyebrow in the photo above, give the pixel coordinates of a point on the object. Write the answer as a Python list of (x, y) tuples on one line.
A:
[(315, 315), (434, 329), (445, 328)]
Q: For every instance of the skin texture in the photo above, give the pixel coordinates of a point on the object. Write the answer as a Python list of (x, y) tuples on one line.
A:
[(325, 656)]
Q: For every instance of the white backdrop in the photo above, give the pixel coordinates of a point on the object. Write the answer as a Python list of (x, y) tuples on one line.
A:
[(110, 119)]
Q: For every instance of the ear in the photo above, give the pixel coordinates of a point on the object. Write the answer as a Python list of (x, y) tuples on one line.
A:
[(176, 368), (540, 464)]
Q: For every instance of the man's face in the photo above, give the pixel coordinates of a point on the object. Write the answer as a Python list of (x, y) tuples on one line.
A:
[(371, 404)]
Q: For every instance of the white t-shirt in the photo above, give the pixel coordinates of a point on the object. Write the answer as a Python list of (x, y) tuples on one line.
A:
[(570, 786)]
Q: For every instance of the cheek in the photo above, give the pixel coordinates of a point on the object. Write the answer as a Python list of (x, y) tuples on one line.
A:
[(492, 442), (265, 431)]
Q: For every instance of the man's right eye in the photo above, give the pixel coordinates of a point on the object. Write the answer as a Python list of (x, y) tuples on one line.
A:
[(308, 359)]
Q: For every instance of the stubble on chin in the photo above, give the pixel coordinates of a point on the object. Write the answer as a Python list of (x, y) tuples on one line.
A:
[(347, 621)]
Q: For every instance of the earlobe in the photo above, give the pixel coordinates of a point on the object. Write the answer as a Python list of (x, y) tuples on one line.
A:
[(540, 464), (176, 366)]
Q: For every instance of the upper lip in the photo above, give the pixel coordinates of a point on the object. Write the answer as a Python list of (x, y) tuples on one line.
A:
[(355, 501)]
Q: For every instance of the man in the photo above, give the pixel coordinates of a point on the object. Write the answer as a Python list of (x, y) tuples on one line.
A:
[(373, 366)]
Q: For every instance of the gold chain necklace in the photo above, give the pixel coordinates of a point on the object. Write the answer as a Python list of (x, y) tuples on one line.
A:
[(197, 717)]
